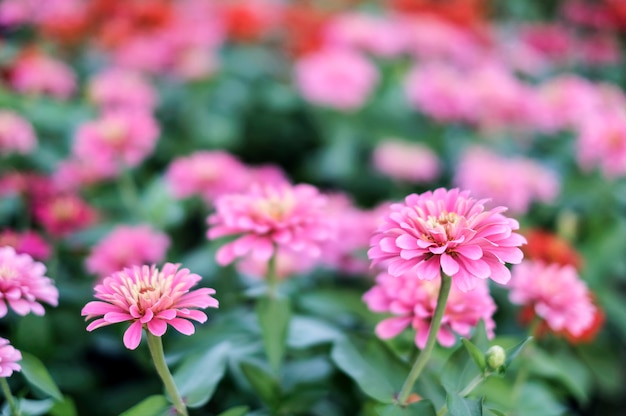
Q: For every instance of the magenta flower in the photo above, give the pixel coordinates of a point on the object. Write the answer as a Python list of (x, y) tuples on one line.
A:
[(557, 294), (16, 134), (450, 231), (127, 246), (412, 301), (149, 298), (269, 216), (122, 89), (23, 284), (9, 356), (26, 242), (35, 73)]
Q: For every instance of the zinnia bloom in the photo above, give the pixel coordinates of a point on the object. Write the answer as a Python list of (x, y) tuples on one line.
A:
[(27, 242), (23, 284), (63, 214), (36, 73), (16, 134), (118, 88), (450, 231), (412, 301), (269, 216), (127, 246), (149, 298), (9, 357), (404, 160), (556, 293)]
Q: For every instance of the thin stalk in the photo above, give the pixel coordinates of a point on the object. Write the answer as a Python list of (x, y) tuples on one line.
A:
[(158, 357), (422, 359), (6, 390), (272, 279)]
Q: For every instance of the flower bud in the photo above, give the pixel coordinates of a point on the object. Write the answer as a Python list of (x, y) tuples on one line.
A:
[(495, 357)]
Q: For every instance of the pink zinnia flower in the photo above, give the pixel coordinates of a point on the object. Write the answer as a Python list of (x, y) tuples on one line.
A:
[(337, 78), (450, 231), (149, 298), (123, 89), (407, 161), (36, 73), (268, 216), (116, 140), (206, 173), (26, 242), (412, 301), (23, 284), (602, 143), (557, 294), (9, 356), (288, 263), (64, 214), (127, 246), (16, 134)]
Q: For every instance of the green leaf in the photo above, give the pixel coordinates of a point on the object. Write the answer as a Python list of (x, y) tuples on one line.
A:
[(35, 407), (37, 376), (197, 376), (274, 315), (158, 207), (421, 408), (458, 371), (477, 355), (364, 372), (496, 412), (514, 351), (155, 405), (262, 383), (305, 332), (461, 406), (235, 411), (64, 408)]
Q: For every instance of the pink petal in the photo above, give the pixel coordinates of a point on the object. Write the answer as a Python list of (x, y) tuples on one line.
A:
[(132, 336), (182, 325), (391, 327), (157, 327), (449, 265)]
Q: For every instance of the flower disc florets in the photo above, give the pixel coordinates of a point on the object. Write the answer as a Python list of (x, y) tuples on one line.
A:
[(447, 230)]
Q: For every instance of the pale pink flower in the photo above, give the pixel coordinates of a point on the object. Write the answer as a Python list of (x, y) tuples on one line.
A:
[(601, 143), (209, 174), (16, 134), (116, 140), (267, 217), (412, 301), (26, 242), (450, 231), (288, 263), (23, 284), (127, 246), (14, 12), (149, 298), (73, 174), (122, 89), (269, 174), (406, 161), (557, 294), (36, 73), (150, 53), (336, 78), (9, 356), (488, 174)]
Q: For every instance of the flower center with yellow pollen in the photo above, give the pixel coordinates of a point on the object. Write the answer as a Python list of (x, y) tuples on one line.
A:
[(7, 273), (276, 207), (114, 132), (445, 225)]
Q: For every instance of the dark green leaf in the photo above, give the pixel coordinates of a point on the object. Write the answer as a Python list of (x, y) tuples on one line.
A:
[(458, 371), (274, 315), (512, 352), (235, 411), (462, 406), (155, 405), (262, 383), (198, 375), (421, 408), (64, 408), (477, 355), (37, 376)]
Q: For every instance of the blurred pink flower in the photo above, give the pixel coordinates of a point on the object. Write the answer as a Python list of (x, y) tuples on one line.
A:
[(36, 73), (150, 53), (127, 246), (552, 39), (64, 214), (489, 174), (73, 174), (121, 89), (601, 143), (16, 134), (149, 298), (9, 356), (288, 263), (338, 78), (412, 301), (268, 217), (26, 242), (450, 231), (379, 35), (557, 293), (407, 161), (23, 284), (116, 140), (209, 174), (14, 12)]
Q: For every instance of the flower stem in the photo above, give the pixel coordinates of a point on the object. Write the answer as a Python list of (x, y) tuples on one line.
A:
[(6, 390), (435, 324), (271, 275), (158, 357)]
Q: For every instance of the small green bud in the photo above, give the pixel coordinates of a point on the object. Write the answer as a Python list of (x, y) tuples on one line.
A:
[(495, 357)]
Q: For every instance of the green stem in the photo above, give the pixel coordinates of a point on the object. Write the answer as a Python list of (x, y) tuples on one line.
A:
[(272, 279), (435, 324), (6, 390), (158, 357)]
